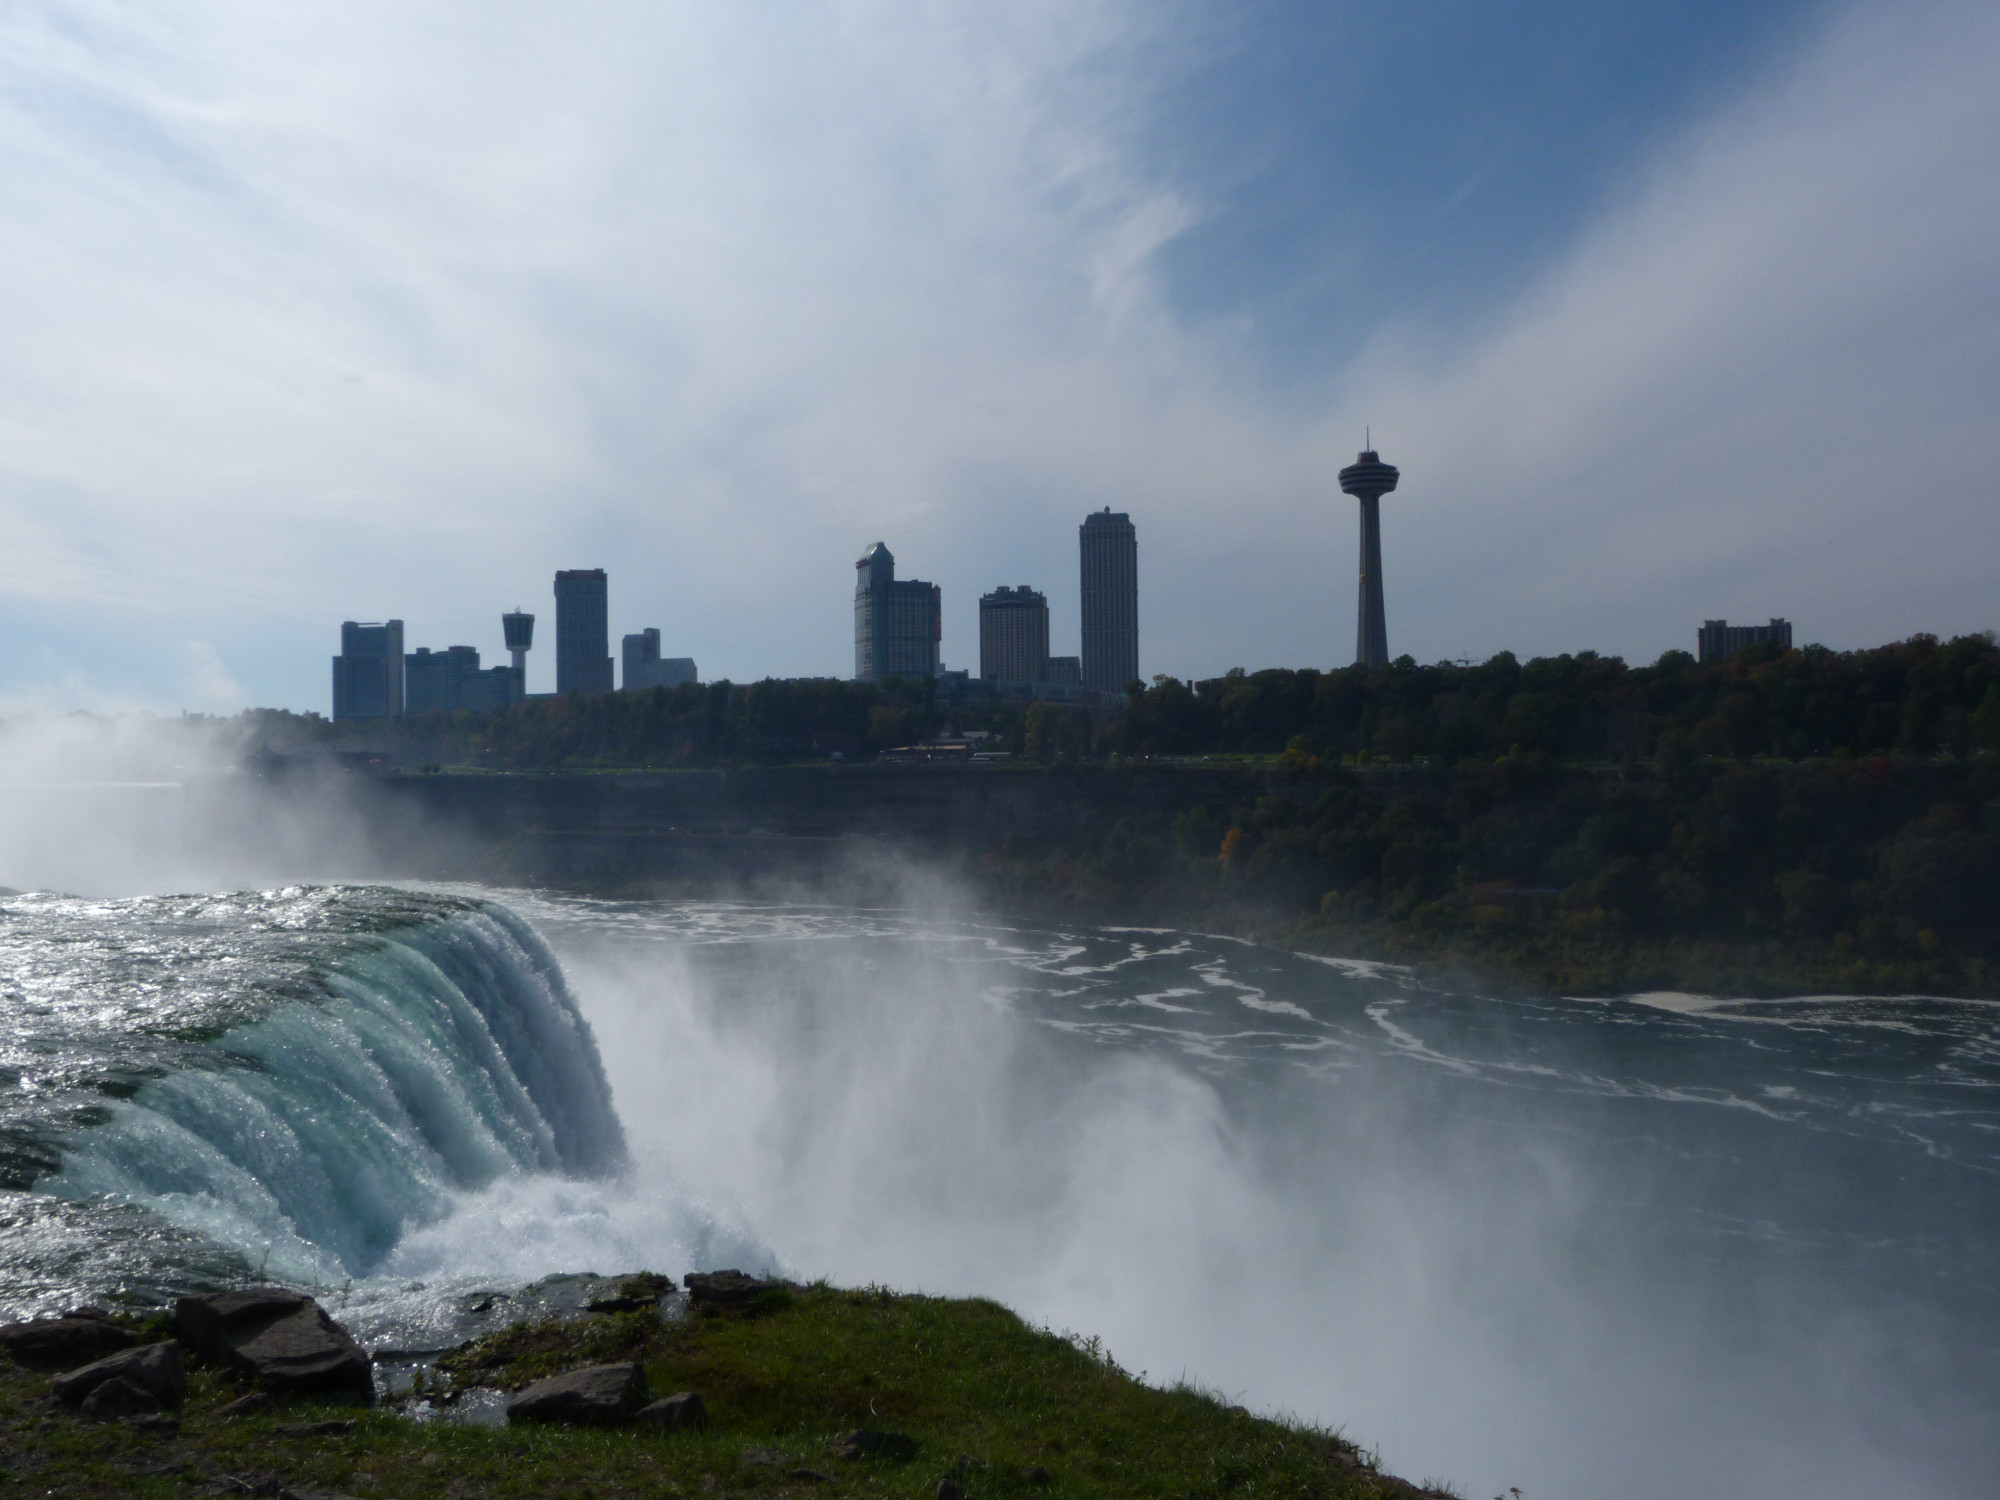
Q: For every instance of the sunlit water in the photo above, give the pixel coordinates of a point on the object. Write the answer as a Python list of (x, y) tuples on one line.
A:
[(1652, 1247)]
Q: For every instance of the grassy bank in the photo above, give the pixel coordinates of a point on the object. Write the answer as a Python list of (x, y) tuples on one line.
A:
[(998, 1408)]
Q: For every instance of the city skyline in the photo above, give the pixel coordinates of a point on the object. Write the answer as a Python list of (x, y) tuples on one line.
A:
[(316, 315)]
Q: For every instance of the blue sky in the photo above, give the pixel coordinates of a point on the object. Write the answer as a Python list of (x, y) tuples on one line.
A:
[(348, 311)]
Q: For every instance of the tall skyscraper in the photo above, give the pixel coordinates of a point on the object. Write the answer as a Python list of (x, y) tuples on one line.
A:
[(368, 673), (583, 632), (1718, 638), (1368, 479), (897, 626), (1014, 635), (519, 628), (1109, 549)]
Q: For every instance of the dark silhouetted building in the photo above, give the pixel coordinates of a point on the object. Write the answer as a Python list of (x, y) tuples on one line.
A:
[(1109, 552), (368, 673), (451, 679), (1014, 635), (646, 668), (1718, 638), (1065, 671), (1368, 479), (432, 680), (519, 629), (897, 626), (583, 632), (642, 655)]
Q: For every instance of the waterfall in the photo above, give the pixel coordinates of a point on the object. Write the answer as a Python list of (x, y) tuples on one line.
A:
[(441, 1056)]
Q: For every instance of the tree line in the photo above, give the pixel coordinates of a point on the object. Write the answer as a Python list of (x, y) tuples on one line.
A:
[(1776, 820)]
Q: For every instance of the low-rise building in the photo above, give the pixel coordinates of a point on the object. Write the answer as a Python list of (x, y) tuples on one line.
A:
[(1718, 639)]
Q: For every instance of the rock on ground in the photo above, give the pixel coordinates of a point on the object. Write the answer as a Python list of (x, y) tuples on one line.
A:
[(116, 1399), (864, 1442), (727, 1288), (63, 1343), (283, 1338), (156, 1369), (597, 1395), (677, 1412)]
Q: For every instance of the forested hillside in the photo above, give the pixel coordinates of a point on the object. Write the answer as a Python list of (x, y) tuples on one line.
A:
[(1778, 820)]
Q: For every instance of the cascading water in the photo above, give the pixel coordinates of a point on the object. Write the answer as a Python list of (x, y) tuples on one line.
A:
[(1648, 1246), (300, 1077)]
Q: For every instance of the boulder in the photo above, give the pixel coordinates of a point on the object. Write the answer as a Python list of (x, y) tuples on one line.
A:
[(157, 1369), (63, 1343), (115, 1399), (284, 1339), (727, 1288), (595, 1396), (865, 1442), (681, 1412)]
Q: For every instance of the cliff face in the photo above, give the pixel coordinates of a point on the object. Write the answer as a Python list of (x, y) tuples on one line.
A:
[(617, 831)]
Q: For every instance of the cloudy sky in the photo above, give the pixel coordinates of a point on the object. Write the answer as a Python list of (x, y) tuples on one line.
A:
[(324, 311)]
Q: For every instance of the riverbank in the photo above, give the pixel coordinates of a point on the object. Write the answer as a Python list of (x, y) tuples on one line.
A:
[(1755, 879), (990, 1408)]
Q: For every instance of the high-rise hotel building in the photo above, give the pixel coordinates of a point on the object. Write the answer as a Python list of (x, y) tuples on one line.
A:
[(368, 673), (583, 631), (1014, 635), (897, 626), (1109, 550)]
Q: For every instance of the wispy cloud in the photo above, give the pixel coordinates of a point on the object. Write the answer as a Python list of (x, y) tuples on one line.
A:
[(325, 311)]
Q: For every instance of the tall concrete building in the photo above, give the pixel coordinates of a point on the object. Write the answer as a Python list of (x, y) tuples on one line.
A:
[(368, 673), (519, 629), (1109, 550), (1368, 479), (897, 626), (1014, 635), (583, 631), (1718, 638)]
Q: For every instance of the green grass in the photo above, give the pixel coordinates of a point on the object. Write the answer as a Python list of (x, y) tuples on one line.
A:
[(1004, 1409)]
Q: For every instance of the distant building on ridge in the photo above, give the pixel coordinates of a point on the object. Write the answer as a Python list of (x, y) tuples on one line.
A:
[(897, 626), (368, 673), (1718, 639), (1109, 552), (645, 668), (431, 679), (448, 680), (583, 631), (1065, 671), (1014, 635)]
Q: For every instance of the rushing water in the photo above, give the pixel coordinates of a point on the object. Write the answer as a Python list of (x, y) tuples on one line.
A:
[(1647, 1246)]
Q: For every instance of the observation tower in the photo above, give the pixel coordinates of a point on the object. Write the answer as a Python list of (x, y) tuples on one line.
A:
[(519, 628), (1368, 479)]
